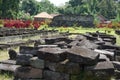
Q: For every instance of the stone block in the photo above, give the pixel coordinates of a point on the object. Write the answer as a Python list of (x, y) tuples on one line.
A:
[(28, 73), (82, 56), (37, 63), (23, 59), (64, 67), (51, 54), (50, 75), (28, 50)]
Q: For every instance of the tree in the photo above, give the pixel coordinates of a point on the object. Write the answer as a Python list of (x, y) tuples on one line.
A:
[(9, 8), (29, 6), (47, 6)]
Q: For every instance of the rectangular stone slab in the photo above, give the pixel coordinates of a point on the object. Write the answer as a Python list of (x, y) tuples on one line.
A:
[(63, 67), (50, 75), (82, 56), (8, 62), (28, 72), (8, 67), (51, 54), (37, 63)]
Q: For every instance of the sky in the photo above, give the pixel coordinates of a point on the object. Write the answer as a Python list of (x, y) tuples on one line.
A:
[(57, 2)]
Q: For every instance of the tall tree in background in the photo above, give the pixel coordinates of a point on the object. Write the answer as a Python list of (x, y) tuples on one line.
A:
[(9, 8), (107, 8), (29, 6), (47, 6)]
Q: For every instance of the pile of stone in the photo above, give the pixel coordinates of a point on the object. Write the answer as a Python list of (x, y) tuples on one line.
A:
[(85, 57)]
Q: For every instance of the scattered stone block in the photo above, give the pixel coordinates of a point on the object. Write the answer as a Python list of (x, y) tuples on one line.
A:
[(28, 50), (8, 62), (110, 55), (82, 56), (28, 73), (63, 67), (52, 54), (116, 65), (103, 57), (102, 67), (23, 59), (37, 63), (8, 67), (50, 75)]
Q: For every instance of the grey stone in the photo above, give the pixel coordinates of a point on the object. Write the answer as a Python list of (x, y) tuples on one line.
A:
[(28, 50), (23, 59), (52, 54), (50, 75), (64, 67), (37, 63), (103, 67), (110, 55), (8, 62), (103, 57), (87, 44), (82, 56), (8, 67), (116, 65), (28, 73)]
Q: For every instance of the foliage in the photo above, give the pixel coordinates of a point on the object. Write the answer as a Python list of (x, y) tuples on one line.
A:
[(22, 24), (47, 6), (9, 8), (107, 8), (29, 6)]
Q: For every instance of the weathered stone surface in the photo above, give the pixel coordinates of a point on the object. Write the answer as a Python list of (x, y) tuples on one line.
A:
[(8, 67), (47, 46), (28, 73), (28, 50), (116, 65), (37, 63), (64, 67), (110, 55), (55, 39), (50, 75), (103, 67), (8, 62), (51, 54), (82, 56), (103, 57), (23, 59), (102, 71), (87, 44)]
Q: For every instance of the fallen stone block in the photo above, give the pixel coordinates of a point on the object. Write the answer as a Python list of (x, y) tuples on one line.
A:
[(8, 67), (102, 67), (50, 75), (116, 65), (52, 54), (103, 57), (110, 55), (82, 56), (37, 63), (28, 50), (28, 73), (63, 67), (8, 62), (23, 59)]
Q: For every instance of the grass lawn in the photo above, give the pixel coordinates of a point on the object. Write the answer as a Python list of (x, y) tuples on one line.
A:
[(4, 55)]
